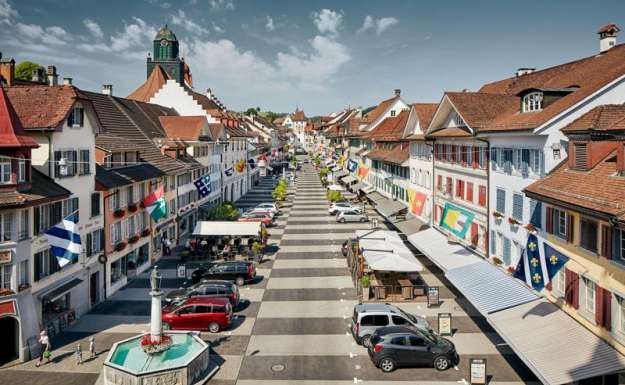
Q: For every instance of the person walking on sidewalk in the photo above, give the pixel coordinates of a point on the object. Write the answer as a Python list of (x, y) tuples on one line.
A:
[(46, 349), (92, 347), (78, 353)]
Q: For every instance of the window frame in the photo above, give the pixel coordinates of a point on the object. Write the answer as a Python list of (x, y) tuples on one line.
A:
[(582, 239), (533, 102), (5, 165)]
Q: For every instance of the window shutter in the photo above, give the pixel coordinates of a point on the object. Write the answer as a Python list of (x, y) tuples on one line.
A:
[(571, 295), (606, 241), (493, 243), (36, 221), (476, 154), (599, 311), (581, 158), (89, 250), (517, 207), (549, 217), (506, 251), (81, 112), (570, 227), (102, 244), (607, 309), (474, 234), (535, 213), (494, 158), (525, 159), (469, 192), (57, 167), (70, 118), (37, 266), (453, 153), (463, 155)]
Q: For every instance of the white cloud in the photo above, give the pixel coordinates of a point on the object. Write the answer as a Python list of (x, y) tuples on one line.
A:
[(59, 33), (54, 35), (135, 35), (269, 25), (7, 12), (29, 31), (181, 19), (94, 28), (217, 28), (221, 4), (380, 25), (328, 21)]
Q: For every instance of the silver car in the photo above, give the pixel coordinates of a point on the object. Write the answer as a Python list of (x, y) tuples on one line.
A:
[(368, 317), (354, 215)]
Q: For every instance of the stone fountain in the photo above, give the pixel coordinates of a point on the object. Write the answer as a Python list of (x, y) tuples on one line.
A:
[(172, 358)]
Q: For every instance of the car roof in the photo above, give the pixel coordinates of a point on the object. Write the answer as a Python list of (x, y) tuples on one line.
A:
[(386, 330), (200, 300), (375, 307)]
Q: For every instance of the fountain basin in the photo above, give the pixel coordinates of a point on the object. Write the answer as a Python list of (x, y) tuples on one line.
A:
[(186, 362)]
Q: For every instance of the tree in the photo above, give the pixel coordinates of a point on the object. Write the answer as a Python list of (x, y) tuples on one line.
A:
[(251, 112), (24, 70)]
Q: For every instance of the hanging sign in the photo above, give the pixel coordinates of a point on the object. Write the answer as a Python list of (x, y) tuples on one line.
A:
[(433, 296), (444, 324), (181, 271), (477, 375)]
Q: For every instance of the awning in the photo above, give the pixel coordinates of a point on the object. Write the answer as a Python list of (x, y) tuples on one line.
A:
[(340, 173), (357, 186), (553, 345), (389, 208), (60, 290), (375, 196), (385, 261), (349, 179), (445, 255), (222, 228), (385, 251), (336, 169), (489, 288), (409, 226), (367, 189)]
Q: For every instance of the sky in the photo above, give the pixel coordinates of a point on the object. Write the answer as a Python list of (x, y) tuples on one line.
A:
[(322, 56)]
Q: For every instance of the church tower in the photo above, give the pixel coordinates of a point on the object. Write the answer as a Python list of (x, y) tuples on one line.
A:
[(166, 55)]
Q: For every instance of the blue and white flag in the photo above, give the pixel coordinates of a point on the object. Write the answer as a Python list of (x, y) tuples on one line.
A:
[(555, 260), (203, 185), (252, 163), (532, 268), (352, 165), (64, 240), (229, 171)]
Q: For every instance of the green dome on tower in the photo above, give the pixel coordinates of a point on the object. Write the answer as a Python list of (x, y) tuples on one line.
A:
[(165, 34)]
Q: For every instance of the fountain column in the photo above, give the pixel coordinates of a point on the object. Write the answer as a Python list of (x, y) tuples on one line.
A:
[(156, 323)]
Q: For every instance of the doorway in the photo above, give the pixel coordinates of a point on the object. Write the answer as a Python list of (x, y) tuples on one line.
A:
[(94, 287), (9, 335)]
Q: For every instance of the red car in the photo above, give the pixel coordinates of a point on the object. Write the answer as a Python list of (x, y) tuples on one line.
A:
[(198, 313), (256, 217)]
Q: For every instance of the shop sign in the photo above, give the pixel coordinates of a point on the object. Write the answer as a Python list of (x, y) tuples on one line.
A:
[(181, 271), (5, 256), (477, 375), (444, 324), (433, 296), (8, 308)]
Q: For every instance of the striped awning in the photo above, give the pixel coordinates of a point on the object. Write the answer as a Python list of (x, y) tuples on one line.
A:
[(349, 179), (375, 196), (389, 208)]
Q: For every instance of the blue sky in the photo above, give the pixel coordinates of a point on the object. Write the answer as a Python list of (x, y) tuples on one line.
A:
[(320, 55)]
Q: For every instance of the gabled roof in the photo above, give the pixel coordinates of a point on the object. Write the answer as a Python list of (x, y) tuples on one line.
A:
[(390, 129), (183, 127), (372, 115), (396, 155), (154, 82), (609, 117), (299, 116), (40, 189), (12, 133), (425, 113), (123, 176), (42, 106), (479, 108)]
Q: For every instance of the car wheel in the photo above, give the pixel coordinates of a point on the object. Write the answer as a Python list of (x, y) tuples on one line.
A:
[(342, 220), (363, 219), (213, 327), (366, 340), (166, 326), (387, 365), (441, 363), (239, 281)]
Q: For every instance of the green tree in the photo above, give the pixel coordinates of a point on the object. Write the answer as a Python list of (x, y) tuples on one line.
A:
[(24, 70), (252, 111)]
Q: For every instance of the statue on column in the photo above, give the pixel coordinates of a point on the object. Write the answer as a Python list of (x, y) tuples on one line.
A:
[(155, 279)]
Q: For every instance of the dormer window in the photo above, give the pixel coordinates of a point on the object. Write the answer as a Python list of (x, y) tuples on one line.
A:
[(392, 112), (533, 102), (76, 117), (581, 156), (457, 120)]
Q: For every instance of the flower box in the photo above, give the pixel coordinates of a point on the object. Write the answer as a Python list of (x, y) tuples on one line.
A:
[(120, 246), (513, 221), (497, 261), (5, 291), (119, 213), (145, 232), (497, 215), (530, 227), (152, 347), (511, 269), (132, 207), (23, 286), (133, 239)]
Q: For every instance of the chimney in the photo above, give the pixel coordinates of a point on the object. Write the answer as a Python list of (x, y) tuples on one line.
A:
[(53, 77), (67, 81), (107, 89), (397, 92), (7, 70), (38, 75), (209, 94), (524, 71), (620, 159), (607, 37)]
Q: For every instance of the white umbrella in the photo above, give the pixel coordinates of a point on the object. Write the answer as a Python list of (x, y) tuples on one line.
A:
[(385, 261)]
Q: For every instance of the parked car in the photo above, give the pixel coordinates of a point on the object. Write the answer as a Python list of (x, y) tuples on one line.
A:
[(238, 272), (255, 217), (270, 206), (198, 313), (351, 216), (397, 346), (337, 207), (261, 210), (368, 317), (206, 288)]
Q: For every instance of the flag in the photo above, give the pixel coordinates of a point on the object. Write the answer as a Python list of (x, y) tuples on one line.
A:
[(539, 263), (417, 202), (456, 220), (229, 171), (203, 185), (252, 163), (155, 204), (352, 165), (363, 172), (240, 166), (335, 156), (64, 240)]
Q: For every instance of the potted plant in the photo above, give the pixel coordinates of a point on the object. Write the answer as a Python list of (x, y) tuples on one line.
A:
[(530, 227), (258, 248), (133, 239), (497, 215), (513, 221), (146, 232), (497, 261), (119, 213), (365, 281), (511, 269), (120, 246), (132, 207)]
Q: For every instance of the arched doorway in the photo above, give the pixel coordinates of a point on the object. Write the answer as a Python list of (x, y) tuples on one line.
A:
[(232, 192), (9, 335), (226, 193)]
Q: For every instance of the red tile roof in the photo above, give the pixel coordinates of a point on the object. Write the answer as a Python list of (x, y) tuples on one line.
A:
[(299, 116), (451, 132), (42, 106), (425, 113), (12, 133), (183, 127), (608, 117), (397, 155), (372, 115), (609, 28), (154, 82), (390, 129)]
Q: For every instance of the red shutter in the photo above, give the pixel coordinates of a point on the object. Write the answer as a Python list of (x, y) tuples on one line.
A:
[(571, 295), (549, 225), (452, 148), (439, 181), (474, 234), (482, 196), (470, 191), (607, 309), (599, 292), (476, 155), (570, 227), (449, 185), (436, 151), (606, 241), (463, 155)]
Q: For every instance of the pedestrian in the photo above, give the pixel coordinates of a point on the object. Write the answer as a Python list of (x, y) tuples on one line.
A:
[(92, 347), (375, 222), (78, 353), (45, 348)]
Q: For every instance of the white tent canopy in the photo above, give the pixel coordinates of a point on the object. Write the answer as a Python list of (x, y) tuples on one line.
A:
[(223, 228), (385, 251), (384, 261)]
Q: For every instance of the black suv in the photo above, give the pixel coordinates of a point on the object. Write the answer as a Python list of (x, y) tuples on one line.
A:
[(206, 288), (395, 346), (238, 272)]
